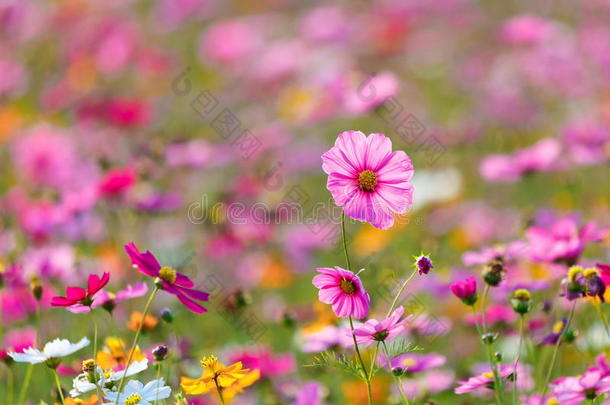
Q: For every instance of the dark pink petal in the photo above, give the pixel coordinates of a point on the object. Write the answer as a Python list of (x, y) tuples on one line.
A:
[(195, 294), (183, 281), (95, 283), (75, 293), (62, 302), (191, 305), (146, 263)]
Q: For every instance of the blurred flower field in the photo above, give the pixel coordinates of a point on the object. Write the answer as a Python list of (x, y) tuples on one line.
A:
[(304, 203)]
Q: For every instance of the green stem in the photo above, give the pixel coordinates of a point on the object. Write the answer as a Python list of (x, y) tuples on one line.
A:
[(555, 350), (521, 337), (222, 400), (367, 379), (61, 394), (136, 340), (349, 266), (158, 366), (403, 395), (602, 317), (97, 387), (10, 384), (26, 384), (399, 293), (498, 385)]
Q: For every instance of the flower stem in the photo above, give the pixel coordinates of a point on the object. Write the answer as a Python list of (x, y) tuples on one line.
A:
[(399, 293), (498, 386), (97, 387), (403, 395), (521, 337), (555, 350), (136, 339), (602, 317), (222, 400), (26, 384), (349, 266), (367, 378), (61, 394), (158, 367)]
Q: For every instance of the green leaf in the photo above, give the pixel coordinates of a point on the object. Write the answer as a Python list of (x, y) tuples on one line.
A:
[(338, 361)]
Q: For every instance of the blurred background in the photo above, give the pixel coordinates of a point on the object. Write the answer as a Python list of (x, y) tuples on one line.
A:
[(195, 128)]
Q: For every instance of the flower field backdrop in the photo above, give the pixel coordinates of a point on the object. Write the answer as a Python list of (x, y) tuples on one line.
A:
[(306, 203)]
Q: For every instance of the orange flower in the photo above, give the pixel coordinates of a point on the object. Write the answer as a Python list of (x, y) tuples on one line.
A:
[(150, 322), (114, 354), (79, 401)]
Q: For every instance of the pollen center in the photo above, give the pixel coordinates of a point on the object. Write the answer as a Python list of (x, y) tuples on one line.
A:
[(381, 335), (348, 286), (367, 180), (133, 399), (167, 274)]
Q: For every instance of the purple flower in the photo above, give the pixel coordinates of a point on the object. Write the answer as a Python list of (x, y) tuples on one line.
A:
[(485, 380), (423, 264), (413, 363)]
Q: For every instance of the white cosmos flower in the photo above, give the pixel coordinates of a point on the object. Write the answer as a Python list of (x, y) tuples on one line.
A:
[(81, 383), (136, 393), (54, 349)]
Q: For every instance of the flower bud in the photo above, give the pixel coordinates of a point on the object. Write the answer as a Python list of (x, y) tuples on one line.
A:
[(398, 371), (36, 288), (521, 301), (494, 273), (88, 366), (466, 290), (160, 352), (489, 338), (423, 264), (167, 315)]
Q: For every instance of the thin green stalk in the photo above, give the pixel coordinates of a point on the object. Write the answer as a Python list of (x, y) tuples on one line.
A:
[(521, 337), (26, 384), (158, 366), (222, 400), (498, 385), (400, 291), (10, 385), (555, 350), (61, 394), (97, 387), (602, 317), (367, 378), (403, 395), (136, 339)]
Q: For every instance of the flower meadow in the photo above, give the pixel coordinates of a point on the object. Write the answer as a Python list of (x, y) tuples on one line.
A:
[(209, 202)]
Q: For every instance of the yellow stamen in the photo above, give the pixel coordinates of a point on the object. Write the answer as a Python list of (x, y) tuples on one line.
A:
[(367, 180), (133, 399), (167, 274), (558, 327), (573, 272), (348, 286), (522, 295), (590, 273)]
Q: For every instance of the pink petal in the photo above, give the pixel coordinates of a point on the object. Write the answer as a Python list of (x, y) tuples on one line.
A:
[(378, 148)]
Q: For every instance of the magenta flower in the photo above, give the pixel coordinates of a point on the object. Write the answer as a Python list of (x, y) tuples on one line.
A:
[(466, 290), (79, 300), (344, 291), (170, 280), (367, 179), (109, 300), (562, 241), (485, 380), (575, 390), (374, 331)]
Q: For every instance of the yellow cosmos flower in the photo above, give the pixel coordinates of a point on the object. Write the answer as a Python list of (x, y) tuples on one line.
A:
[(114, 354), (228, 381)]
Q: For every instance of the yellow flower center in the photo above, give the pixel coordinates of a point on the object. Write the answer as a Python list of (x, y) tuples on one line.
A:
[(488, 375), (78, 401), (552, 401), (367, 180), (133, 399), (210, 362), (167, 274), (348, 286), (88, 366), (408, 362)]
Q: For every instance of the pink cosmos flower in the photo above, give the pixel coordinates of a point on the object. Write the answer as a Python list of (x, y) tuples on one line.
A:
[(367, 179), (413, 363), (171, 281), (17, 340), (327, 338), (374, 331), (562, 241), (344, 291), (262, 359), (109, 300), (466, 290), (525, 30), (117, 181), (484, 380), (310, 394), (575, 390), (79, 300)]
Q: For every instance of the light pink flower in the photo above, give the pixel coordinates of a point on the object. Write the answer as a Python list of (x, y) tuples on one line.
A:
[(367, 179), (374, 331), (344, 291), (482, 380), (575, 390)]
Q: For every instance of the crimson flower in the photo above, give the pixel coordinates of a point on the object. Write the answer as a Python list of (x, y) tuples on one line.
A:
[(79, 300), (167, 278)]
